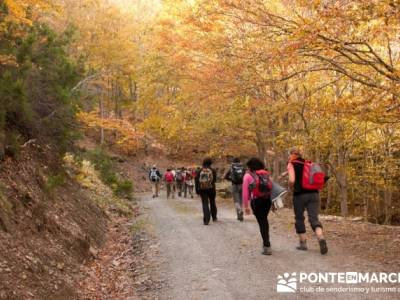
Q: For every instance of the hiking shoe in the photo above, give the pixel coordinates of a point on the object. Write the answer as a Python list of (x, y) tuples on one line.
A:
[(302, 246), (240, 216), (323, 247), (267, 251)]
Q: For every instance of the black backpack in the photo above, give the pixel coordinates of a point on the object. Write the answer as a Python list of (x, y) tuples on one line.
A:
[(179, 176), (154, 175), (237, 173)]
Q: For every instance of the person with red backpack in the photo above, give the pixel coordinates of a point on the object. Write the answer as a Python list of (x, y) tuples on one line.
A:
[(169, 179), (306, 179), (256, 192)]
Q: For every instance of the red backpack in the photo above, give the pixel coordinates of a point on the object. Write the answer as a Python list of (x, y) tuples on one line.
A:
[(313, 176), (261, 186), (169, 177)]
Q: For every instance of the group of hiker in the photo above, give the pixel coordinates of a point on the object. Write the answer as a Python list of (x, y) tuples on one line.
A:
[(253, 190), (180, 180)]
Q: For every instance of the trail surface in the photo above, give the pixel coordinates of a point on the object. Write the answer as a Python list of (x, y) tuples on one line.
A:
[(223, 260)]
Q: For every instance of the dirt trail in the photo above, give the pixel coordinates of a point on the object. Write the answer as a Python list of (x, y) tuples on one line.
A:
[(223, 260)]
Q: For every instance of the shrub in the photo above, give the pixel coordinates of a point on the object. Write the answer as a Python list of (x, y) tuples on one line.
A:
[(105, 165)]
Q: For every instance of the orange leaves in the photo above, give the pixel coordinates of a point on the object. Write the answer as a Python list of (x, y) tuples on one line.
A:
[(128, 138), (17, 11)]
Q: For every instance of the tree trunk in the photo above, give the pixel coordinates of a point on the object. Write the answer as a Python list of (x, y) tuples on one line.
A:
[(364, 183), (101, 109), (342, 182), (341, 175), (388, 205), (261, 148), (132, 90), (2, 144)]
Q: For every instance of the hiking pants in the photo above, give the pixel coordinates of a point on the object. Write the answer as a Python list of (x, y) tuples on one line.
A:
[(185, 189), (261, 208), (311, 203), (155, 186), (209, 205), (179, 186), (170, 189), (237, 196), (189, 189)]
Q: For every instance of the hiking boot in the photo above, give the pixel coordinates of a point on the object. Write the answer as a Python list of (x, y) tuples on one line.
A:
[(240, 216), (267, 250), (323, 247), (302, 246)]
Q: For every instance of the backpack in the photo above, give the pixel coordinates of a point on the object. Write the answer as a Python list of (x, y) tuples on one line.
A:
[(154, 175), (188, 176), (261, 186), (313, 176), (206, 178), (179, 176), (237, 173), (169, 177)]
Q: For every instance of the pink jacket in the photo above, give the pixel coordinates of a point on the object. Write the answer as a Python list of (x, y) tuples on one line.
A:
[(247, 180)]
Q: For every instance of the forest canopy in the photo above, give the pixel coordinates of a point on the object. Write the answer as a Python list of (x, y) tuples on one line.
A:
[(214, 77)]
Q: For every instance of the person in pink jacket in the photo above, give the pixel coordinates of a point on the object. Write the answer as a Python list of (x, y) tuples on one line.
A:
[(259, 203)]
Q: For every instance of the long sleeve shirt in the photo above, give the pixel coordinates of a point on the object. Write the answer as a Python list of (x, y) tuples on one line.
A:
[(247, 180)]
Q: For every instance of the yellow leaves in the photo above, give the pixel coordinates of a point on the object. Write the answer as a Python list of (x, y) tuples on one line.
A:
[(128, 138), (16, 10)]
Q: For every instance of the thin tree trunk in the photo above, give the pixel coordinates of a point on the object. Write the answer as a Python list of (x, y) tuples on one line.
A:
[(2, 144), (365, 185), (261, 148), (342, 181), (101, 108), (388, 205)]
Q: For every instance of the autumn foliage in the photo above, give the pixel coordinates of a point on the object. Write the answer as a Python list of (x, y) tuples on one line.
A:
[(238, 77)]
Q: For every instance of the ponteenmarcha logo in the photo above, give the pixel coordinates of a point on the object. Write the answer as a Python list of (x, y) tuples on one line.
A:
[(347, 281), (287, 283)]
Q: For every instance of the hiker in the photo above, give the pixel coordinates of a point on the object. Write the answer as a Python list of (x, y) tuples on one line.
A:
[(174, 173), (235, 175), (257, 192), (205, 187), (304, 199), (155, 176), (169, 179), (184, 186), (179, 180), (189, 183)]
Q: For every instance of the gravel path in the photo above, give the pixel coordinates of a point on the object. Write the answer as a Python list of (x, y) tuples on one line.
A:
[(223, 260)]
